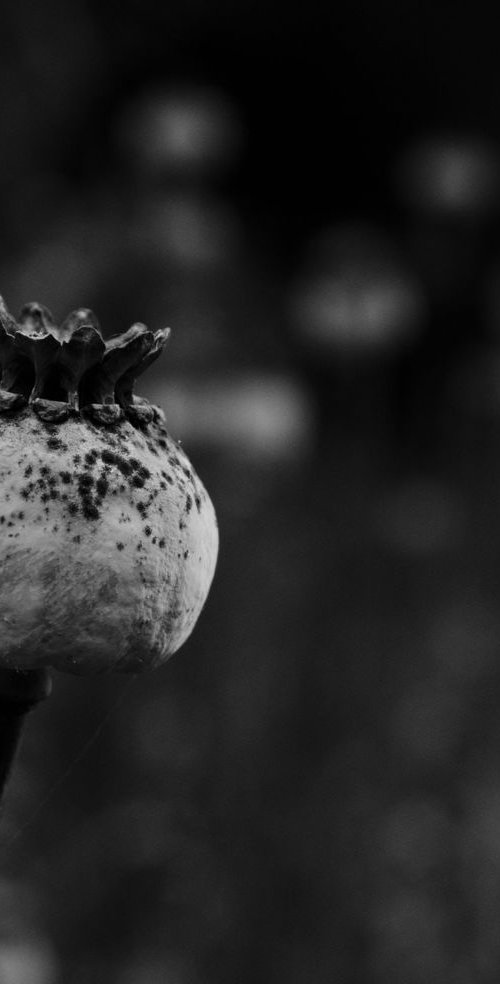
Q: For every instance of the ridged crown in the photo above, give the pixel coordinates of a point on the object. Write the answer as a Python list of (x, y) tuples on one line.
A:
[(69, 368)]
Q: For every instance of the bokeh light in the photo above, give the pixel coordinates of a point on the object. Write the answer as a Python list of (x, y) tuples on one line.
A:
[(355, 299), (183, 130), (456, 175)]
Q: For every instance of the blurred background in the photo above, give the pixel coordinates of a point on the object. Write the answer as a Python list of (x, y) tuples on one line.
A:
[(309, 791)]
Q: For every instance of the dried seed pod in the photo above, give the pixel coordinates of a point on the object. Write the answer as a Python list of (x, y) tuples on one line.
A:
[(108, 538)]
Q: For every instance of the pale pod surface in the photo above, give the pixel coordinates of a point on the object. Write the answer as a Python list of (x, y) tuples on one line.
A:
[(108, 545)]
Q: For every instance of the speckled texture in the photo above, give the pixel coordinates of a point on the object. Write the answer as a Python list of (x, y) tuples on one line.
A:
[(108, 544)]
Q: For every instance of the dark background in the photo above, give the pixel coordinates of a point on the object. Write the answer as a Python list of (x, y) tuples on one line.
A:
[(310, 791)]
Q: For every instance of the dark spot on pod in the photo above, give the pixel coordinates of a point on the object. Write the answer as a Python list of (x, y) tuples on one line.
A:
[(124, 467), (120, 546), (85, 481), (55, 444), (90, 510), (102, 486)]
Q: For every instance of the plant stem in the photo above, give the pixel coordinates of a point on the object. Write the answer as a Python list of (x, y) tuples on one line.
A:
[(20, 691)]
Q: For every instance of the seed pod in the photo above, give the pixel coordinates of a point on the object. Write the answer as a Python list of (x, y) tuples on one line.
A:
[(108, 538)]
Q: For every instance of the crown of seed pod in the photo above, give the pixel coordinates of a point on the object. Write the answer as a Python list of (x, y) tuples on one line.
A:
[(108, 538)]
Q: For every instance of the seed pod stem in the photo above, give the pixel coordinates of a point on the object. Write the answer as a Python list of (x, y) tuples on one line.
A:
[(20, 691)]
